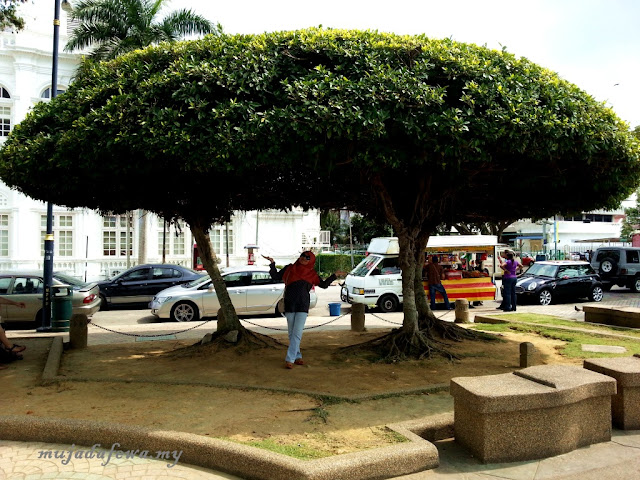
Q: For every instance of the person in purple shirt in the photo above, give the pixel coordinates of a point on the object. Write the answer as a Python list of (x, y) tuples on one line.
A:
[(511, 267)]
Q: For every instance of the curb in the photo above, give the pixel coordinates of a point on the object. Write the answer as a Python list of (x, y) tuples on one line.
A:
[(418, 454), (234, 458)]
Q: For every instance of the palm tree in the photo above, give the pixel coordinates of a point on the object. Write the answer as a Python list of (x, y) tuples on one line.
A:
[(9, 17), (115, 27)]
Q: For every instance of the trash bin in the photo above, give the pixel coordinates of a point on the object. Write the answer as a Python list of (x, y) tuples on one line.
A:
[(61, 307), (334, 309)]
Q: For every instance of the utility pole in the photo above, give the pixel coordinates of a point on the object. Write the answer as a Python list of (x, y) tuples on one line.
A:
[(48, 238)]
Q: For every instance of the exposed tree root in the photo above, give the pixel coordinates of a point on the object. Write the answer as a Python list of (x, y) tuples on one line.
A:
[(450, 331), (246, 341), (398, 345)]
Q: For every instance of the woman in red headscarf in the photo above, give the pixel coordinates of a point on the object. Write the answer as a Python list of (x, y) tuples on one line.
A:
[(298, 278)]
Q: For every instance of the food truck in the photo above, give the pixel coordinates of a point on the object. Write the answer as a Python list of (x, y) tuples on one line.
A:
[(467, 261)]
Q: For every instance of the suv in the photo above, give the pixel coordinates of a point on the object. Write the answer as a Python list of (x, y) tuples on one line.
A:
[(618, 266)]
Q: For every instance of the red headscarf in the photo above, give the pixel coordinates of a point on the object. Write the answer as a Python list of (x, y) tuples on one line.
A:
[(297, 271)]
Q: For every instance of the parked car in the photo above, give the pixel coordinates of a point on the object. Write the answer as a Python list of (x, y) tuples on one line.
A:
[(138, 285), (251, 288), (618, 266), (549, 280), (28, 287), (527, 259)]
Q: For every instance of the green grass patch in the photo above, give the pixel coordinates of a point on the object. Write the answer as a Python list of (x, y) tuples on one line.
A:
[(551, 320), (299, 451), (574, 339), (391, 436)]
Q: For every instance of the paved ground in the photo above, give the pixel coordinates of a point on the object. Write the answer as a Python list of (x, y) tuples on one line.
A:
[(614, 460)]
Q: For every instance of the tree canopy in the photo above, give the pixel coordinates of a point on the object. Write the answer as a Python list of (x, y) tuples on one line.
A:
[(9, 17), (114, 27), (407, 129)]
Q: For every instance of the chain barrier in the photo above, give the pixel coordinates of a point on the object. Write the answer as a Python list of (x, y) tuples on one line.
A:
[(385, 320), (242, 320), (151, 335), (399, 323), (286, 329)]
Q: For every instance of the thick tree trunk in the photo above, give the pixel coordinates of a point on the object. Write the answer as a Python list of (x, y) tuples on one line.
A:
[(425, 315), (407, 264), (210, 263)]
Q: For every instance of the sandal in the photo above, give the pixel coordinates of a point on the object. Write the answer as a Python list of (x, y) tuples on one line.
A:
[(288, 365), (299, 361), (17, 348)]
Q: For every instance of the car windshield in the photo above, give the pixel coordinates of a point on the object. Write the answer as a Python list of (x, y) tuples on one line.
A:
[(542, 270), (365, 266), (69, 280), (197, 282)]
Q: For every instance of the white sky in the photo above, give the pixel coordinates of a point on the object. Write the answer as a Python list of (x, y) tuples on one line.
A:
[(592, 43)]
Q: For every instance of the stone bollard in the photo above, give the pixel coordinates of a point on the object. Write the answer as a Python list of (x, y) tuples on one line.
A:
[(221, 321), (526, 354), (357, 317), (78, 331), (462, 310)]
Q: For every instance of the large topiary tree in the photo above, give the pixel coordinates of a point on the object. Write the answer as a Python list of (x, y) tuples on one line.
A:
[(409, 130)]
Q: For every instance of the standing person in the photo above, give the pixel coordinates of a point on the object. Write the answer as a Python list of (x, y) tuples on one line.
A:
[(298, 279), (11, 349), (509, 279), (435, 274)]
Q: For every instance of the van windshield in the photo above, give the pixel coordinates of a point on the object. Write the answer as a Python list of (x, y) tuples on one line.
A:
[(365, 266)]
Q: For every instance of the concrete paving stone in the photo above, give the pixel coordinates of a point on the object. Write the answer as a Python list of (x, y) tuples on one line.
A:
[(603, 348)]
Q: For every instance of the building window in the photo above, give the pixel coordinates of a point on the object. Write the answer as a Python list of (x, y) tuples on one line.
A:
[(47, 92), (108, 243), (114, 235), (65, 244), (219, 240), (5, 121), (62, 234), (171, 238), (4, 235), (5, 113)]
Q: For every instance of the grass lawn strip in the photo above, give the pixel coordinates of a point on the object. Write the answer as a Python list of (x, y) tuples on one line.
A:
[(567, 331)]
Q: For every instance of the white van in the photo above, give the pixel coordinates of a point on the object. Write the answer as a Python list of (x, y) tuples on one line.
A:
[(377, 279)]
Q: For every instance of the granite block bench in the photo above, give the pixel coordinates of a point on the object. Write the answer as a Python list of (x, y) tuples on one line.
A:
[(533, 413), (625, 405), (617, 316)]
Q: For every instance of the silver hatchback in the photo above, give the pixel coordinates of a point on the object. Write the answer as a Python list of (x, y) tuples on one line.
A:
[(28, 287), (252, 291)]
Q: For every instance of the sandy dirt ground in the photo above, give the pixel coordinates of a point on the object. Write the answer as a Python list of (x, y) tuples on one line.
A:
[(250, 397)]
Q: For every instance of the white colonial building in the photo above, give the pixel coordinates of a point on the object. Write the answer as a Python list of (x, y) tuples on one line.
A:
[(86, 244)]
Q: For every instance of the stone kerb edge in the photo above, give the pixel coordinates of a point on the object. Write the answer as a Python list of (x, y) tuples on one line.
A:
[(237, 459), (250, 462)]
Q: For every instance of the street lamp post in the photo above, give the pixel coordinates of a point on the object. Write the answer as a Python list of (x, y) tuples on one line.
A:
[(48, 239)]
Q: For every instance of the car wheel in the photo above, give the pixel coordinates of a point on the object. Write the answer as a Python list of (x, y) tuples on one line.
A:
[(596, 294), (388, 303), (184, 312), (103, 303), (545, 297), (37, 322), (608, 266), (343, 294), (635, 286)]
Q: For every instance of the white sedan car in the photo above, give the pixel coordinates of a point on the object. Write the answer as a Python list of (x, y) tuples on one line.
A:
[(251, 289)]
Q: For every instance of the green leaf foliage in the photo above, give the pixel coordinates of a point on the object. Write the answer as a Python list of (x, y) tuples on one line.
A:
[(323, 118)]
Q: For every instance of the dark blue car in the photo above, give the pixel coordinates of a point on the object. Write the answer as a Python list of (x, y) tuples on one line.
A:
[(137, 286)]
